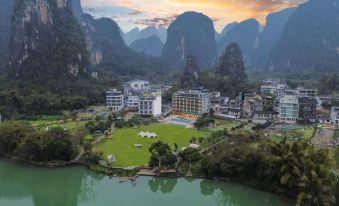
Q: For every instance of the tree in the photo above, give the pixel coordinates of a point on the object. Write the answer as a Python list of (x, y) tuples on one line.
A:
[(190, 155), (161, 154), (11, 134), (203, 121), (296, 169), (58, 145)]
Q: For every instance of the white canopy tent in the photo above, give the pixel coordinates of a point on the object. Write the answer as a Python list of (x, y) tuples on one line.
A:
[(147, 135)]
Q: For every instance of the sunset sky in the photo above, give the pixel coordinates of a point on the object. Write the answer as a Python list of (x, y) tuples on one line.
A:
[(141, 13)]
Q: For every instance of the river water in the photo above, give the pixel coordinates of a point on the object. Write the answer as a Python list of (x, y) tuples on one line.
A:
[(76, 186)]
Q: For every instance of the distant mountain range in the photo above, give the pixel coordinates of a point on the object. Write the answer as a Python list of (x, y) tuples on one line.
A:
[(275, 24), (136, 34), (151, 45), (296, 39), (245, 34)]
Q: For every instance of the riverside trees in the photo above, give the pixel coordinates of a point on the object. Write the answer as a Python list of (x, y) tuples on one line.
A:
[(296, 169), (21, 140)]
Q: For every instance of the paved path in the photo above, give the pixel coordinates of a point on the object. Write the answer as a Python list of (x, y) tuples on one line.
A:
[(324, 138), (215, 144), (99, 139), (77, 158)]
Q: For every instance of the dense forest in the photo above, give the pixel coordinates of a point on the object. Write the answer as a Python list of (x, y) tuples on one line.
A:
[(295, 170)]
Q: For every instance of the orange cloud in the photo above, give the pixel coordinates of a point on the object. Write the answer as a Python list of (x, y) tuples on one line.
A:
[(221, 11), (240, 9)]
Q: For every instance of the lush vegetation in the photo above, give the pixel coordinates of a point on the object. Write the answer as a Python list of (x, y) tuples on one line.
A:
[(204, 121), (21, 140), (122, 142), (294, 169), (161, 155)]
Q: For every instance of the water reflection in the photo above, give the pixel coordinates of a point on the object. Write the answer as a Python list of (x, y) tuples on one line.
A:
[(52, 187), (206, 188), (232, 194), (78, 186), (163, 185)]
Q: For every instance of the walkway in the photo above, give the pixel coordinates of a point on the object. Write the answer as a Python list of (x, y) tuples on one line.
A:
[(213, 145), (324, 138)]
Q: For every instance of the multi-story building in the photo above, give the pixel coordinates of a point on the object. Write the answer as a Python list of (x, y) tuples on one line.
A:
[(150, 105), (327, 98), (272, 82), (280, 91), (95, 75), (136, 86), (289, 109), (159, 88), (307, 110), (268, 89), (251, 105), (304, 92), (191, 102), (335, 115), (273, 86), (216, 101), (114, 100), (132, 100)]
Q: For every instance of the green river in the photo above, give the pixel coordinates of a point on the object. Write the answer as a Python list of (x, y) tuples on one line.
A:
[(77, 186)]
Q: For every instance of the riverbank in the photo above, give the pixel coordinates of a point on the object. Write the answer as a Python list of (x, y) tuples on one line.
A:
[(77, 186)]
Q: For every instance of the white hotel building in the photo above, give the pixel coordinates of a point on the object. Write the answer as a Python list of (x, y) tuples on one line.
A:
[(114, 100), (150, 105)]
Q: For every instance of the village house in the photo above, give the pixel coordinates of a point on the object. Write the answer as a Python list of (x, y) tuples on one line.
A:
[(307, 110), (335, 115), (251, 105)]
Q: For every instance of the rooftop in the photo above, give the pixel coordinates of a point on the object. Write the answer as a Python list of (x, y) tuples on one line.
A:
[(307, 100), (192, 93)]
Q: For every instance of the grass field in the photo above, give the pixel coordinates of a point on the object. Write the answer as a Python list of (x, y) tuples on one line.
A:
[(55, 121), (222, 124), (121, 144)]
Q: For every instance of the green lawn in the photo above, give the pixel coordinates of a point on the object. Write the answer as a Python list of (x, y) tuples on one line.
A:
[(121, 144), (221, 124), (42, 123)]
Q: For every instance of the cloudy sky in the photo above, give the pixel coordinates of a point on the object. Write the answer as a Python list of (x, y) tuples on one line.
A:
[(141, 13)]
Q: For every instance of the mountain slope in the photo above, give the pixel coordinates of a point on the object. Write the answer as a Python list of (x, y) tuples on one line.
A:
[(104, 41), (246, 35), (77, 9), (6, 11), (227, 28), (231, 63), (150, 46), (132, 35), (46, 41), (275, 24), (191, 34), (310, 40)]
